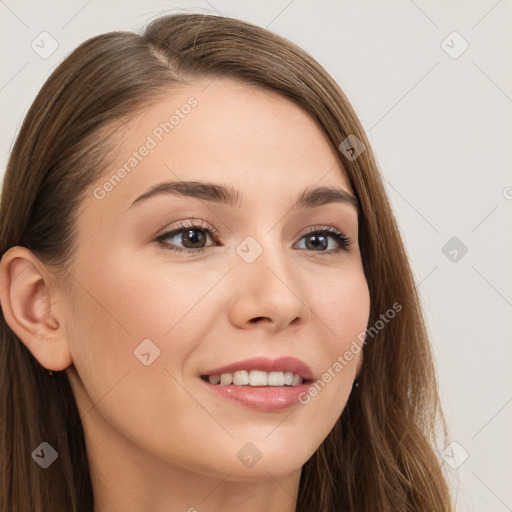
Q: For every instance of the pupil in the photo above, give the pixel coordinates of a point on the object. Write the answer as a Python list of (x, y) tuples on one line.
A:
[(193, 238), (316, 243)]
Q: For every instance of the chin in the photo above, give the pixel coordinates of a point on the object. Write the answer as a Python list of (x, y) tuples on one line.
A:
[(267, 456), (274, 468)]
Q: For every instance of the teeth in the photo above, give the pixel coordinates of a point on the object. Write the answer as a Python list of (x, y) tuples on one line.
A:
[(276, 379), (256, 378), (226, 379), (241, 378)]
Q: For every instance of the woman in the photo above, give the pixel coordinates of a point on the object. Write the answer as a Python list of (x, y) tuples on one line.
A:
[(170, 338)]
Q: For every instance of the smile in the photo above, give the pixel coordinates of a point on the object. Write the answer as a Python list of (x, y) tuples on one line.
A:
[(261, 383), (255, 378)]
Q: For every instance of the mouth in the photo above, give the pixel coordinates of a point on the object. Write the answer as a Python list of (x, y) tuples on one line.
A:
[(267, 385)]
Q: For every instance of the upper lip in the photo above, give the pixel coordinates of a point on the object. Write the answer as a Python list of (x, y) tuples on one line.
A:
[(280, 364)]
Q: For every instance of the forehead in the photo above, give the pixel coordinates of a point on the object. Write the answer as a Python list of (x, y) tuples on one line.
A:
[(220, 131)]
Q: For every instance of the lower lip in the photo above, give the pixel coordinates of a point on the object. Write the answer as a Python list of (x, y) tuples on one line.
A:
[(265, 399)]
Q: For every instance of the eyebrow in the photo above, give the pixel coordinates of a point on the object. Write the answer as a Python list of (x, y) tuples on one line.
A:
[(220, 194)]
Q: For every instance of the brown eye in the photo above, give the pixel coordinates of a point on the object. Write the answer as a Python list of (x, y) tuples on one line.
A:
[(193, 239), (187, 238), (317, 240)]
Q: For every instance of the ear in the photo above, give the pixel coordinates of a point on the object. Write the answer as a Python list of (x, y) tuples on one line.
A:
[(25, 296)]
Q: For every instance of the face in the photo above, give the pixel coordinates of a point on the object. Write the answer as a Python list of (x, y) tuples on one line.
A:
[(181, 285)]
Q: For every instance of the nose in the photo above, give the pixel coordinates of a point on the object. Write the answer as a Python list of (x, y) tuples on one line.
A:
[(266, 293)]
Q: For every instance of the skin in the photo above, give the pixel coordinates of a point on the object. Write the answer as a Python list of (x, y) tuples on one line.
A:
[(157, 439)]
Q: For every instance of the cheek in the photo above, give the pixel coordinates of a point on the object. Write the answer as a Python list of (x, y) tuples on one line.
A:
[(157, 297), (342, 304), (125, 302), (118, 308), (341, 313)]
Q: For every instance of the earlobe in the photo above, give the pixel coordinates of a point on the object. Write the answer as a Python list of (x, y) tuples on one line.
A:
[(27, 309)]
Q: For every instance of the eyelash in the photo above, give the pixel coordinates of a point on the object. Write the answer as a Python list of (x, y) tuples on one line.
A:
[(340, 237)]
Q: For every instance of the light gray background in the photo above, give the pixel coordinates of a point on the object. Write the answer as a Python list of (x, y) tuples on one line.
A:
[(441, 131)]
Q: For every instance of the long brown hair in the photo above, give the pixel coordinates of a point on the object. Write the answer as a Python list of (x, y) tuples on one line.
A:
[(381, 454)]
